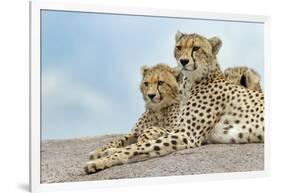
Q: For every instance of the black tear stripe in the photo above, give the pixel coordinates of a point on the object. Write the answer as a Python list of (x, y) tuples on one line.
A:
[(192, 51), (159, 92)]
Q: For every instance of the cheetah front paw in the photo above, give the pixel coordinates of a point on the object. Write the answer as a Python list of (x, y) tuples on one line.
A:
[(94, 166), (96, 154)]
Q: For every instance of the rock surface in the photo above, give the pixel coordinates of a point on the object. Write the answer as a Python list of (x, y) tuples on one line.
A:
[(62, 161)]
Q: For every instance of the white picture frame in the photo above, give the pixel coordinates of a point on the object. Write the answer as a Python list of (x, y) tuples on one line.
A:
[(35, 82)]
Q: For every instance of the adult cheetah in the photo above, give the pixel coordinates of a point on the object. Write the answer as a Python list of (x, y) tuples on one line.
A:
[(208, 103)]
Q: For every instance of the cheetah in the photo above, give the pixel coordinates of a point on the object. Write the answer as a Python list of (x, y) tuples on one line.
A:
[(144, 130), (159, 88), (209, 106), (243, 76), (233, 113)]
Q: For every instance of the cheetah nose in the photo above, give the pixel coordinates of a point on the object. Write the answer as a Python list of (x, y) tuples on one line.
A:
[(151, 96), (184, 62)]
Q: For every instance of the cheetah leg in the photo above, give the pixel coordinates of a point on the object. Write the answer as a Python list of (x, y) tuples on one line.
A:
[(151, 133), (113, 146), (139, 152), (228, 130)]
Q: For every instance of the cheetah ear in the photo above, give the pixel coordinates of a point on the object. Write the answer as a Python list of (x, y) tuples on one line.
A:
[(216, 44), (252, 77), (144, 70), (178, 35)]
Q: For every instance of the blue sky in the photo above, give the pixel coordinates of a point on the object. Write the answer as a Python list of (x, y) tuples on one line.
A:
[(91, 65)]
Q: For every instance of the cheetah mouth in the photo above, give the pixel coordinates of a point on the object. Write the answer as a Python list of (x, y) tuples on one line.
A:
[(155, 101), (189, 69)]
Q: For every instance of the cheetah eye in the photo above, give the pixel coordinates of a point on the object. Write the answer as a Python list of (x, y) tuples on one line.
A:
[(178, 47), (145, 83), (160, 83), (195, 48)]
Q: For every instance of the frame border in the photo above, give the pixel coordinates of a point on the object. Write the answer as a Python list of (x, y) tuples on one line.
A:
[(35, 83)]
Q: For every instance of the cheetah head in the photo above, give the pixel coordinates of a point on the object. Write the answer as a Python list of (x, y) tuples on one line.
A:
[(159, 86), (196, 55), (243, 76)]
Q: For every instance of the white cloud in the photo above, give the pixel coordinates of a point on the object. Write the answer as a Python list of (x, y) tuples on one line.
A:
[(58, 87)]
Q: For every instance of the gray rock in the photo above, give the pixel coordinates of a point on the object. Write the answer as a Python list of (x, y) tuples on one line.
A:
[(63, 160)]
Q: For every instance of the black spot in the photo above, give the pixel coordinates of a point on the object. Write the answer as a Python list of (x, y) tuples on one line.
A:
[(158, 141), (184, 140), (156, 148), (240, 135), (175, 137), (166, 144), (260, 137), (127, 153), (174, 142), (226, 122)]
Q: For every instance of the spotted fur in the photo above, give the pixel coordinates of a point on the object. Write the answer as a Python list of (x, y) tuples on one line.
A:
[(210, 108), (159, 88), (243, 76)]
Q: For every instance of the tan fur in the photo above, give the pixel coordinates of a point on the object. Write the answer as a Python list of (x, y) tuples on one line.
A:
[(159, 81), (155, 121), (243, 76), (211, 108)]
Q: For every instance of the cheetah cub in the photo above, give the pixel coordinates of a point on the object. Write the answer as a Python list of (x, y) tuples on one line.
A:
[(159, 88), (243, 76)]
